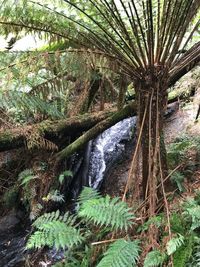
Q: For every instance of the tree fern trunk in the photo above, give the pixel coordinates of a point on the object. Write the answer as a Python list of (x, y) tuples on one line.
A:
[(151, 99)]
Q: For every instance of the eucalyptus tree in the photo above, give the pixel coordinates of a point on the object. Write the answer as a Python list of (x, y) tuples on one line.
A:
[(142, 40)]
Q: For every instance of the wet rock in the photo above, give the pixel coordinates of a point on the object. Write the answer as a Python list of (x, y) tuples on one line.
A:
[(12, 239), (12, 252), (10, 221)]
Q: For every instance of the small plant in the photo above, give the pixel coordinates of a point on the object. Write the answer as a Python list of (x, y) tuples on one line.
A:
[(156, 220), (192, 212), (54, 196), (26, 178), (63, 175), (10, 197), (178, 179)]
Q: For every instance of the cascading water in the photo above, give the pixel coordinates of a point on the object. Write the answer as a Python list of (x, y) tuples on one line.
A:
[(107, 148)]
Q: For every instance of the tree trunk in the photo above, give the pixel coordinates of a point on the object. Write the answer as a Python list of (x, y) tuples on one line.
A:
[(151, 99)]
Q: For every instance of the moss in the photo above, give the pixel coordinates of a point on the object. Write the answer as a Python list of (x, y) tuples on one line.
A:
[(45, 125), (6, 136)]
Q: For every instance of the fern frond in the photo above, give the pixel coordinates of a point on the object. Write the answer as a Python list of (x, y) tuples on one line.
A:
[(56, 234), (62, 176), (88, 193), (183, 253), (154, 258), (195, 262), (121, 253), (55, 230), (26, 176), (192, 209), (104, 211), (54, 216), (178, 179), (54, 196), (174, 244), (154, 220)]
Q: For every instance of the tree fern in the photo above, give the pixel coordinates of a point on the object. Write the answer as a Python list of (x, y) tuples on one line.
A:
[(121, 253), (104, 211), (55, 230), (154, 258)]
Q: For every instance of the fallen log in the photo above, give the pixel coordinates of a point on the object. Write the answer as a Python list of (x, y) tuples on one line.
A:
[(51, 130), (129, 110), (15, 138)]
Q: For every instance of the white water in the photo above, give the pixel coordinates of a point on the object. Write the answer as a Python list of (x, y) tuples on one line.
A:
[(106, 148)]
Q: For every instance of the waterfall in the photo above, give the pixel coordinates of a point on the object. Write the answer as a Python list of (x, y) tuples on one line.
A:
[(107, 148)]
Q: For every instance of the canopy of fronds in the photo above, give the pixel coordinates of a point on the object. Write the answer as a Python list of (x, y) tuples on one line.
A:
[(138, 34)]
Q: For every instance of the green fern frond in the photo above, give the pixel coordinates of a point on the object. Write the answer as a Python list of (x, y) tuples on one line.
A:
[(154, 258), (88, 193), (30, 104), (178, 179), (54, 216), (55, 230), (104, 211), (121, 253), (62, 176), (54, 196), (80, 257), (179, 223), (195, 261), (174, 244), (155, 220), (55, 234), (26, 176), (192, 210), (183, 253)]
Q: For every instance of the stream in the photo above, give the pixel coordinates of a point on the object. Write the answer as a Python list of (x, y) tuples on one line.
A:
[(99, 155)]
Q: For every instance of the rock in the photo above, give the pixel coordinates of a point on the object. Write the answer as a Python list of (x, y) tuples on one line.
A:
[(10, 221)]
